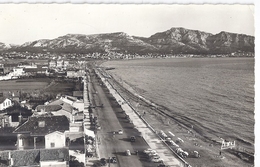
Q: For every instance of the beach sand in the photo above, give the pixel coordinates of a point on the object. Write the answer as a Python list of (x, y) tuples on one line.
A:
[(156, 116)]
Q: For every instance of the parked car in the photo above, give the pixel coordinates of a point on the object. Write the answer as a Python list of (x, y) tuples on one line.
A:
[(120, 132), (152, 154), (127, 152), (148, 150), (156, 159), (103, 161), (132, 138), (113, 160)]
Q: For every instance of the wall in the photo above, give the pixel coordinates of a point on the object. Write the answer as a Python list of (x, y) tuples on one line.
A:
[(57, 138)]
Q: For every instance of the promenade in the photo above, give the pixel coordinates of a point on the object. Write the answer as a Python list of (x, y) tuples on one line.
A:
[(146, 130)]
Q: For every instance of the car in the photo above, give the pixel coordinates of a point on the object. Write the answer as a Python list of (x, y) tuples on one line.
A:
[(127, 152), (153, 154), (148, 150), (120, 132), (156, 159), (103, 161), (113, 160), (132, 138)]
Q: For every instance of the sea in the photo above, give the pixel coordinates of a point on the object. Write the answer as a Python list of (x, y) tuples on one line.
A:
[(216, 94)]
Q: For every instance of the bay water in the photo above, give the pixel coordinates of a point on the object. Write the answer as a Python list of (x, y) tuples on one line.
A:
[(216, 94)]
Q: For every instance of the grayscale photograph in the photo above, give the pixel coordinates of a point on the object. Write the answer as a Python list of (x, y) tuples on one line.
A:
[(114, 85)]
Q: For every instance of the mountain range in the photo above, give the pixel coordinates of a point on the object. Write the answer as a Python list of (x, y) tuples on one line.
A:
[(174, 40)]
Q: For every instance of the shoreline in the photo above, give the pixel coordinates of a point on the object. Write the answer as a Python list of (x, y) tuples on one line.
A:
[(158, 117)]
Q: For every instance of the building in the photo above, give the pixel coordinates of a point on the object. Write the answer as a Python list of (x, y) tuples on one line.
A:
[(75, 73), (18, 72), (34, 133), (5, 103), (55, 140)]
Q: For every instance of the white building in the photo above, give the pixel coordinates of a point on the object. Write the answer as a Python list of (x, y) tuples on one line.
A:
[(5, 103), (55, 140)]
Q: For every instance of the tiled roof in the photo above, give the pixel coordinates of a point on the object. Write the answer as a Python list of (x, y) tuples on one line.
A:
[(26, 157), (54, 154), (33, 157), (65, 106), (42, 125), (48, 108)]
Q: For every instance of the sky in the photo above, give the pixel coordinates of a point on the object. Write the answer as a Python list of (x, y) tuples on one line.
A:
[(21, 23)]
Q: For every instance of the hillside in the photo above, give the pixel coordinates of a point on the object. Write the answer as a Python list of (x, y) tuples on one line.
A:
[(174, 40)]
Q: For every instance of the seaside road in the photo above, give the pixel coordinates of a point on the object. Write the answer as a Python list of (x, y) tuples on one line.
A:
[(147, 132), (112, 145)]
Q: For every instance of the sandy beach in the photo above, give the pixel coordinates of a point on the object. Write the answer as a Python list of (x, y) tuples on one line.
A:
[(157, 116)]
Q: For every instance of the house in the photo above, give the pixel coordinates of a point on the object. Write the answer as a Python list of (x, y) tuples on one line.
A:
[(39, 157), (13, 119), (15, 115), (18, 72), (10, 121), (55, 140), (5, 103), (34, 132), (64, 108)]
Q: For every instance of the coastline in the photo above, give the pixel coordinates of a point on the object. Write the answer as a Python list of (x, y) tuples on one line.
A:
[(158, 118)]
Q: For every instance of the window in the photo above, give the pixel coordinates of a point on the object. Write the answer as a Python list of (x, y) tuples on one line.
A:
[(52, 145)]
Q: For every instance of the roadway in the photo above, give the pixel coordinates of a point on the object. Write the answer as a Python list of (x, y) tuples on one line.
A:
[(111, 118)]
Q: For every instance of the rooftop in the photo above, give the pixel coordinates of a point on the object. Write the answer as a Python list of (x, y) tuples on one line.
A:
[(48, 108), (42, 125), (33, 157)]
